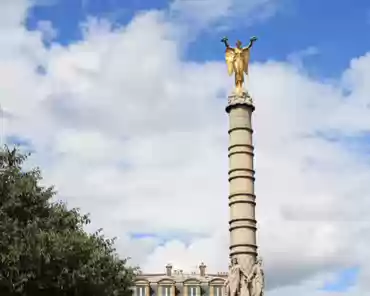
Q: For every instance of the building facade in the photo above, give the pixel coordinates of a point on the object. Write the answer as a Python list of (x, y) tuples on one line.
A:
[(177, 283)]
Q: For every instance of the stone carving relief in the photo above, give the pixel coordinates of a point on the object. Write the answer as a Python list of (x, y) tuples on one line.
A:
[(240, 282)]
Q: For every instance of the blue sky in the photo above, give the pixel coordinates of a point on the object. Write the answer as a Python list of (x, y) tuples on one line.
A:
[(343, 281), (338, 29)]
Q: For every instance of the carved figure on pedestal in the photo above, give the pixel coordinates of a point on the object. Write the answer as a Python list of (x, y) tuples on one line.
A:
[(236, 283), (256, 279), (237, 60)]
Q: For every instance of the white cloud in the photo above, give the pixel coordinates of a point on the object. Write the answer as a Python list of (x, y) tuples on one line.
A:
[(47, 29), (138, 137), (13, 13), (298, 58), (198, 15)]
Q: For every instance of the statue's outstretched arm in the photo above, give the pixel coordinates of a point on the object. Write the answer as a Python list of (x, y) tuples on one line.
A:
[(251, 41), (251, 274), (225, 41), (249, 45), (243, 272)]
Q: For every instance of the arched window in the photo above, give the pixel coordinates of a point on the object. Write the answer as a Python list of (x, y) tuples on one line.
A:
[(141, 291), (193, 291), (217, 290), (166, 290)]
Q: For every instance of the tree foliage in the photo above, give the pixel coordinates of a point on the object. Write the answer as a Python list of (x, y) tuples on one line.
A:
[(44, 249)]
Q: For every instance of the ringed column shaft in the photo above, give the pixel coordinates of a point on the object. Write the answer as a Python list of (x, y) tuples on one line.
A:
[(242, 203)]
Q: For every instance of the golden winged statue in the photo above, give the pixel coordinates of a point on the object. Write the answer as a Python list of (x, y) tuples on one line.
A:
[(237, 60)]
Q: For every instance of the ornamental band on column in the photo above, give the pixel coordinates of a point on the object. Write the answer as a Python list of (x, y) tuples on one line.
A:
[(245, 277)]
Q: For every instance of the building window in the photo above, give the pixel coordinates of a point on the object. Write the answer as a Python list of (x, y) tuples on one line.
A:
[(192, 291), (217, 291), (166, 290), (140, 291)]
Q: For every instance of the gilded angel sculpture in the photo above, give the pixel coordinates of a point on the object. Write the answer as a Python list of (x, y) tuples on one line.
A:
[(237, 60)]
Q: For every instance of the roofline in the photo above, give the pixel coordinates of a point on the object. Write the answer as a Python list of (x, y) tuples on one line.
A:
[(150, 274)]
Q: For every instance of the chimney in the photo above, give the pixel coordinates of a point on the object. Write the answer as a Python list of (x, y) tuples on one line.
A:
[(169, 269), (202, 269)]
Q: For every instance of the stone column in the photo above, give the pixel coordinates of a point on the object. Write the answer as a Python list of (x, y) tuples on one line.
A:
[(242, 221)]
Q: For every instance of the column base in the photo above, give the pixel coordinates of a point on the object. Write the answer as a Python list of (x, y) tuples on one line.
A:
[(242, 98)]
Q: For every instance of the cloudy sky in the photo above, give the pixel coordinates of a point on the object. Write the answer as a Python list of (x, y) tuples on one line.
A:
[(122, 103)]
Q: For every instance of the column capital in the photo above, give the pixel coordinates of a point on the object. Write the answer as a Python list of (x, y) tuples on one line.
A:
[(243, 98)]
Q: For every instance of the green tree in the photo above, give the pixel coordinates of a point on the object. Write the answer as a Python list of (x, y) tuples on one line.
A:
[(44, 249)]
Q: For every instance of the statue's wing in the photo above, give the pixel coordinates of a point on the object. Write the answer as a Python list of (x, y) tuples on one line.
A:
[(246, 54), (229, 57)]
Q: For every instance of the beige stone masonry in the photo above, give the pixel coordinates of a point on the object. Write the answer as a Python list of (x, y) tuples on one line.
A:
[(242, 223)]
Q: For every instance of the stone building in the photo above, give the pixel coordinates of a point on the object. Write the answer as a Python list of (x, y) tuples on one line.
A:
[(177, 283)]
